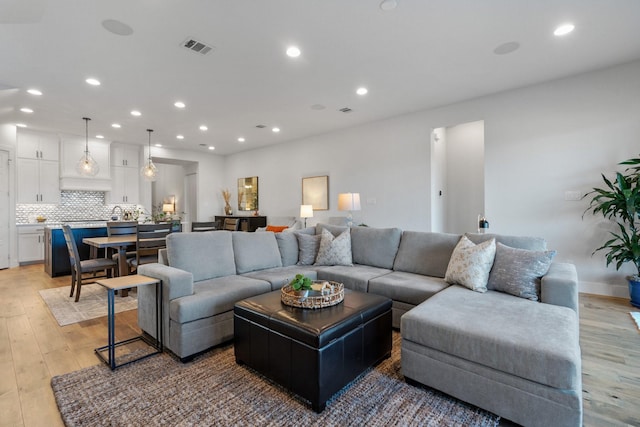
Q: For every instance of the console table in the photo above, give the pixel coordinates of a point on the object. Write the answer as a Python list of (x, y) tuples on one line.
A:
[(247, 223)]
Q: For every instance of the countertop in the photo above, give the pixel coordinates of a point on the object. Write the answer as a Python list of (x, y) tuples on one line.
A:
[(73, 224)]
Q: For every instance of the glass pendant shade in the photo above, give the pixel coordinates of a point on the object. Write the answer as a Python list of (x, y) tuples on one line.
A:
[(149, 171), (87, 166)]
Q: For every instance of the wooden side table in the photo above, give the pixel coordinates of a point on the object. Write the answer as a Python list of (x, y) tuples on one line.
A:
[(125, 282)]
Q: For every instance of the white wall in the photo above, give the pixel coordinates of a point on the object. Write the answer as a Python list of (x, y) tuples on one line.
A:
[(8, 141), (539, 142), (210, 172)]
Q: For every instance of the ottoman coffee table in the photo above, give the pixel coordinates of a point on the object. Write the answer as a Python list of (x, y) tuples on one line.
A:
[(312, 352)]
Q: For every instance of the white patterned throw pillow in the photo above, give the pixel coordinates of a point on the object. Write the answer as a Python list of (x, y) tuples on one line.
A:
[(334, 250), (470, 264)]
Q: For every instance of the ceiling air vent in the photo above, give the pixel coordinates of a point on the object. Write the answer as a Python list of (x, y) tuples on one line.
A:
[(260, 126), (197, 46), (345, 110)]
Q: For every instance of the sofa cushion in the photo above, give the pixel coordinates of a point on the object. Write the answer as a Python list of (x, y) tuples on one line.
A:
[(520, 242), (425, 253), (206, 255), (215, 296), (334, 250), (531, 340), (308, 246), (336, 230), (470, 264), (278, 277), (518, 271), (409, 288), (356, 277), (375, 246), (255, 251), (288, 246)]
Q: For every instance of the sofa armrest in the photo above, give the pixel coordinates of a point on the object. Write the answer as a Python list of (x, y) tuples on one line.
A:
[(176, 283), (560, 286)]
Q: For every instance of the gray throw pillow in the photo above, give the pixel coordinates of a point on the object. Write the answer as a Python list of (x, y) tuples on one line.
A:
[(334, 250), (518, 271), (307, 248)]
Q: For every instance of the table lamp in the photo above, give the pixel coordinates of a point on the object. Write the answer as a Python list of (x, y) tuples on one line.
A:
[(349, 202), (306, 211)]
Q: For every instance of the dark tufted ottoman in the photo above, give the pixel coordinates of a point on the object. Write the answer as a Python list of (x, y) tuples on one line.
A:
[(313, 353)]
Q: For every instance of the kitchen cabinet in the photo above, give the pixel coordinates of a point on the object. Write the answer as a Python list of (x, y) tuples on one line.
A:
[(38, 181), (125, 185), (31, 244), (56, 258), (71, 150), (39, 146), (125, 156)]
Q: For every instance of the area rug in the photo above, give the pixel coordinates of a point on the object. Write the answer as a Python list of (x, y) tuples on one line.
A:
[(92, 303), (214, 390), (635, 315)]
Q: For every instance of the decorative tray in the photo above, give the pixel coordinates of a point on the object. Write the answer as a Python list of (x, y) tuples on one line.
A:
[(330, 293)]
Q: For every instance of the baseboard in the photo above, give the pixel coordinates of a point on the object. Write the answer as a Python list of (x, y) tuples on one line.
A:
[(607, 289)]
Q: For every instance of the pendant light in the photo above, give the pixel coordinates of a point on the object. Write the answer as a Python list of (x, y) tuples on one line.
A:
[(87, 166), (149, 171)]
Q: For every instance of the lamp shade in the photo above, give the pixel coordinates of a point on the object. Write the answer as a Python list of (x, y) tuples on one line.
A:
[(167, 207), (349, 201), (306, 211)]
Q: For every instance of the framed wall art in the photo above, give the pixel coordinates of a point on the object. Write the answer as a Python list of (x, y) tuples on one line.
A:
[(315, 192)]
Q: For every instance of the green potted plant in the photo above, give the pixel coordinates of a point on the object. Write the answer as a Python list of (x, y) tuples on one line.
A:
[(619, 201), (301, 285)]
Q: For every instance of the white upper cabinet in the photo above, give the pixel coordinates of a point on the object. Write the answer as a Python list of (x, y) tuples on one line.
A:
[(71, 150), (35, 145), (125, 155)]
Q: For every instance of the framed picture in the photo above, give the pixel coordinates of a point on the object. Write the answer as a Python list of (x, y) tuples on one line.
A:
[(315, 192)]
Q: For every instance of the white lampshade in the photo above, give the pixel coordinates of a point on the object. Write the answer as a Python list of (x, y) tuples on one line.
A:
[(306, 211), (167, 207), (349, 201)]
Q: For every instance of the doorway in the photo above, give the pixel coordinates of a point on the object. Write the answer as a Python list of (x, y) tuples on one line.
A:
[(4, 209), (457, 177)]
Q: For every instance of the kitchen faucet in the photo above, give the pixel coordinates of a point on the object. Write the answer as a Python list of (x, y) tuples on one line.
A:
[(114, 210)]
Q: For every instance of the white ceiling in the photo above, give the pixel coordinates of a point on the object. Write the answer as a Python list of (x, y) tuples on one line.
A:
[(422, 54)]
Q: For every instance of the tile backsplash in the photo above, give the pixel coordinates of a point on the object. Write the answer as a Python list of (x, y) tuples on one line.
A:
[(74, 206)]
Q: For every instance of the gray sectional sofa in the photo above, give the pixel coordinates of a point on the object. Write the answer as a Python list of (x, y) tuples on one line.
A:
[(517, 358)]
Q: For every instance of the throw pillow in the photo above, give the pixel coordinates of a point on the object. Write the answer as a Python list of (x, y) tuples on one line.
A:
[(277, 228), (470, 264), (334, 250), (308, 245), (518, 271)]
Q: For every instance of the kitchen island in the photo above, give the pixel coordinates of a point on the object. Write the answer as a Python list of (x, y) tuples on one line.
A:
[(56, 255)]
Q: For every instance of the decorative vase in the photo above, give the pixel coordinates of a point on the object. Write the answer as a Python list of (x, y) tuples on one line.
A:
[(634, 290), (227, 209)]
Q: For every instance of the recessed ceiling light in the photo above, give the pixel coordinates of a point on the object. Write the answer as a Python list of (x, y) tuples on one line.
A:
[(362, 91), (93, 82), (100, 136), (158, 145), (507, 47), (276, 130), (388, 4), (241, 139), (211, 147), (564, 29), (180, 136), (136, 113), (293, 51), (179, 104), (115, 125), (203, 128), (21, 125), (34, 92), (26, 110), (117, 27)]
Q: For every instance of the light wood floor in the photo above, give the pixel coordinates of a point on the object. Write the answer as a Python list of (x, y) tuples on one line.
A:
[(33, 348)]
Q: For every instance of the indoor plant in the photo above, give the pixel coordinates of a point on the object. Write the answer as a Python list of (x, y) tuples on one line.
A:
[(619, 201), (301, 284)]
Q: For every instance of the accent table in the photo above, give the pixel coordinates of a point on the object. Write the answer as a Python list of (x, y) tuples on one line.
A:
[(126, 282)]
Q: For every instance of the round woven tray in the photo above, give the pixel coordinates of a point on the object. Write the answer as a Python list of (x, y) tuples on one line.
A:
[(314, 299)]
